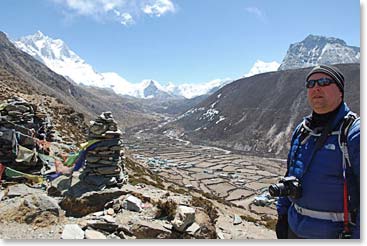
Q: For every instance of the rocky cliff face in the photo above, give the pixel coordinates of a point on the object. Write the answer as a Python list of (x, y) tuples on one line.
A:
[(315, 50)]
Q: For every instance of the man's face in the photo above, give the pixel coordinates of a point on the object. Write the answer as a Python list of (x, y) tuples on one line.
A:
[(323, 99)]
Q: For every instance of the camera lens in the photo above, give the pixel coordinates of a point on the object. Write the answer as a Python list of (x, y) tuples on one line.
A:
[(278, 190), (274, 190)]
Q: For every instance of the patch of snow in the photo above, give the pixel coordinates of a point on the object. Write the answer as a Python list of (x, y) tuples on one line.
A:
[(209, 114), (221, 118)]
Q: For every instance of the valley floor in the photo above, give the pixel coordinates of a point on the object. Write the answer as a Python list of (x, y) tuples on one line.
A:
[(238, 179)]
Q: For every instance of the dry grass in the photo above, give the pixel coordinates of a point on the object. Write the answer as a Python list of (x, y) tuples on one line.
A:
[(138, 174), (249, 218), (166, 209), (27, 215)]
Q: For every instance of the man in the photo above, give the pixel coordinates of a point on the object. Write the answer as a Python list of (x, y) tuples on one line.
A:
[(318, 206)]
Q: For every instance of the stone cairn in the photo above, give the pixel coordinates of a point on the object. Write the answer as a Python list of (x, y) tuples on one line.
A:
[(104, 164), (27, 119), (18, 110), (18, 115)]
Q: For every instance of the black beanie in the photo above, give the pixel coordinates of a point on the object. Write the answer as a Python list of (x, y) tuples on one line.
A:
[(332, 71)]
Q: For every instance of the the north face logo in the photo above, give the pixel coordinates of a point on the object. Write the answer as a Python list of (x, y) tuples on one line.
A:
[(329, 146)]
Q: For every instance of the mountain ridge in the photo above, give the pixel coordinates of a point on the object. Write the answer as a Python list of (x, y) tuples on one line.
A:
[(56, 54)]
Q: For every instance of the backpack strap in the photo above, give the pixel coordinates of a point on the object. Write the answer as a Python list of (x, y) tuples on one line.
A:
[(347, 169), (343, 135), (302, 131)]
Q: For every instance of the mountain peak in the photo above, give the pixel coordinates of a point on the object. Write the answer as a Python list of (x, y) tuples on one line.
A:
[(315, 49), (151, 83), (312, 39), (51, 52), (39, 34), (262, 67), (153, 89), (36, 37)]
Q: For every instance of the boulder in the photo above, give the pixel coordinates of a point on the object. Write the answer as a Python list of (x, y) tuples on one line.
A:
[(21, 190), (92, 234), (237, 220), (42, 202), (207, 229), (132, 203), (109, 219), (72, 231), (191, 230), (89, 202), (184, 217), (37, 209), (102, 225), (59, 186), (150, 230)]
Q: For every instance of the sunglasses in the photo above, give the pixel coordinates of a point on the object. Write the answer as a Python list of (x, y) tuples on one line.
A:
[(320, 82)]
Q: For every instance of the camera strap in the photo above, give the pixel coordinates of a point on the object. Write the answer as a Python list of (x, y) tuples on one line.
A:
[(319, 143)]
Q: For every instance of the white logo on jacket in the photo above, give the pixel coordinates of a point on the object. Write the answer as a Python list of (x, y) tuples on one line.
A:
[(329, 146)]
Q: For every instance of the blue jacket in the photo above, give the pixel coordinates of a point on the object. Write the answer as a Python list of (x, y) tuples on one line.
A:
[(322, 183)]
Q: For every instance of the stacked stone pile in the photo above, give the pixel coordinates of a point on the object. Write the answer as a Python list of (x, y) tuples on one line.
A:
[(21, 117), (104, 164), (104, 127), (18, 111), (17, 115), (47, 132)]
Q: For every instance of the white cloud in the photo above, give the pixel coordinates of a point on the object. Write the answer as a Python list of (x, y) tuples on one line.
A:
[(257, 12), (125, 18), (124, 11), (158, 7)]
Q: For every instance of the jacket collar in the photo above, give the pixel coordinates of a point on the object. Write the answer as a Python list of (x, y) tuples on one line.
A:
[(343, 111)]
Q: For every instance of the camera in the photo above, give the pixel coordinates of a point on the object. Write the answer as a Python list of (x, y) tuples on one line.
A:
[(288, 186)]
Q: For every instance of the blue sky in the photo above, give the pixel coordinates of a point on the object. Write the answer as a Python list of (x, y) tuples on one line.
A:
[(181, 41)]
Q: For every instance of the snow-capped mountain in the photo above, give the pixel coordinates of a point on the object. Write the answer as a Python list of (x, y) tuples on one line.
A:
[(193, 90), (56, 55), (315, 50), (262, 67)]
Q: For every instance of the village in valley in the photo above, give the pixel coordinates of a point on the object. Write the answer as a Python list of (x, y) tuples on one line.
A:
[(239, 179)]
